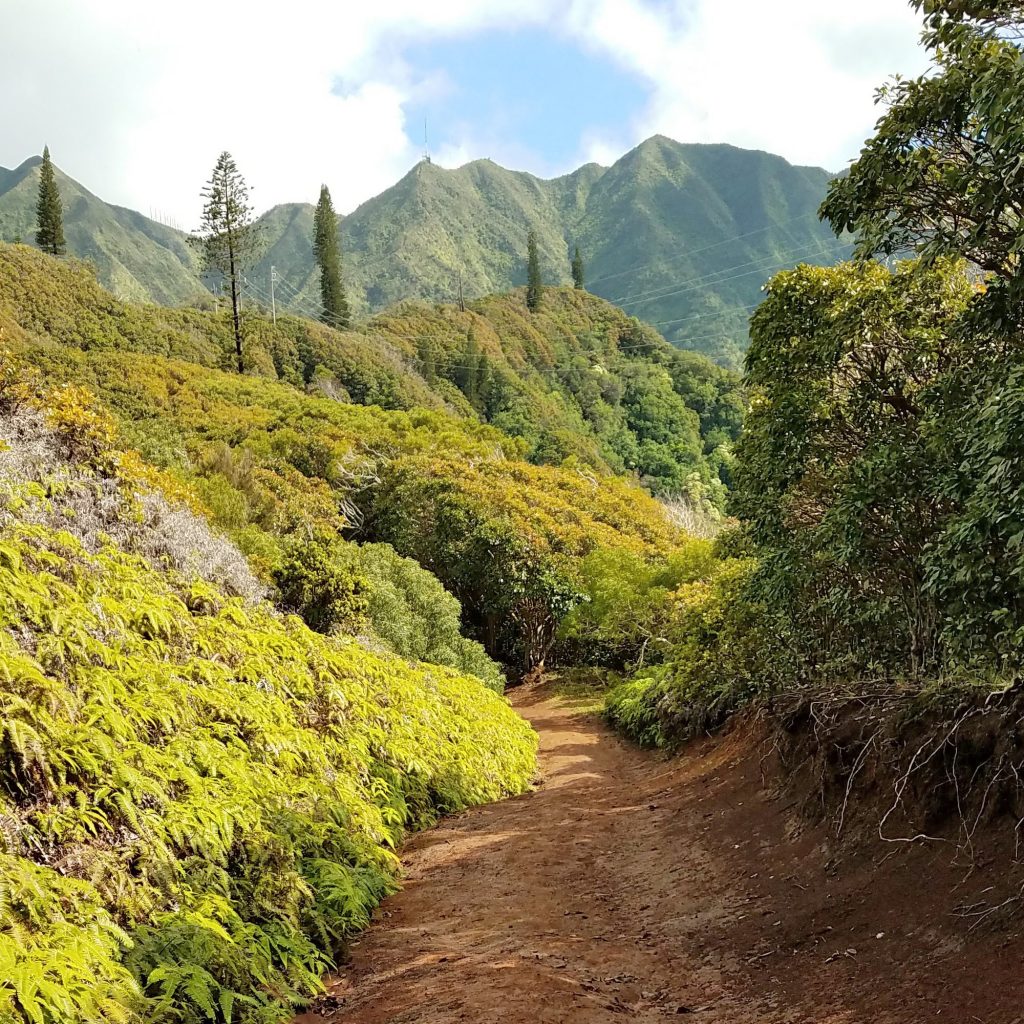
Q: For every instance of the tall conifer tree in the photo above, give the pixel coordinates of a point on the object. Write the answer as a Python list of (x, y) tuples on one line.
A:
[(534, 285), (229, 241), (327, 250), (49, 210), (577, 269)]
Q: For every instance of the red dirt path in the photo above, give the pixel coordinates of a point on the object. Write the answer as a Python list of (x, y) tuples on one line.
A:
[(628, 887)]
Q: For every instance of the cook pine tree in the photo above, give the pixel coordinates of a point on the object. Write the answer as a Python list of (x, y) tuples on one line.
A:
[(229, 241), (577, 269), (327, 250), (49, 210), (534, 285)]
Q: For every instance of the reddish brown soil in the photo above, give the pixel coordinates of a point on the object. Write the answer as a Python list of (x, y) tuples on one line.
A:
[(631, 887)]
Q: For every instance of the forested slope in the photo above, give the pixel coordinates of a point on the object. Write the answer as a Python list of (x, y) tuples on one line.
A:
[(578, 379)]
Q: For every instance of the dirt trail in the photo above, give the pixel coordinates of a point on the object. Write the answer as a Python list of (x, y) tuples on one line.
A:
[(631, 887)]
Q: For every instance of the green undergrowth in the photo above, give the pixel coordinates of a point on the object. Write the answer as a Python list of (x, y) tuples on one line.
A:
[(200, 798)]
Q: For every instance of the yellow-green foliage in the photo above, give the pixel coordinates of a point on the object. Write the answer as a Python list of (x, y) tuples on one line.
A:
[(628, 614), (722, 649), (271, 463), (577, 380), (508, 538), (199, 798), (63, 302)]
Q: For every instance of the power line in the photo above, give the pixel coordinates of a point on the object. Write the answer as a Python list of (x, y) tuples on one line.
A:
[(706, 248), (714, 277), (710, 278)]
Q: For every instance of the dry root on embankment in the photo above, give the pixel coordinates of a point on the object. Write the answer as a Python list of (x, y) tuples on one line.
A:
[(903, 768)]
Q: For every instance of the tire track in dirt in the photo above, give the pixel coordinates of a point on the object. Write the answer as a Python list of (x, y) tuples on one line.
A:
[(630, 887)]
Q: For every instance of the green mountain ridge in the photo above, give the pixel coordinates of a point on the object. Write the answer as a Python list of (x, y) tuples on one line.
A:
[(679, 235), (139, 259)]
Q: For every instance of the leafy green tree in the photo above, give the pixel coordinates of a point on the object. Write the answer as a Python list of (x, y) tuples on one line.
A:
[(49, 210), (577, 269), (229, 241), (327, 250), (534, 284), (942, 175), (845, 467), (409, 609)]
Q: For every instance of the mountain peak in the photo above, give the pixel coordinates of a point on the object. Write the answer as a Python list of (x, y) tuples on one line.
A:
[(26, 165), (679, 234)]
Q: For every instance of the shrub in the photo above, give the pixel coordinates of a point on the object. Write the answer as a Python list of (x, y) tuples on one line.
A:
[(410, 611), (320, 580), (727, 650), (628, 612)]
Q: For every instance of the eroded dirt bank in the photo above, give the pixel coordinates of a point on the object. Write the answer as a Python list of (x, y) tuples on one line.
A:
[(631, 887)]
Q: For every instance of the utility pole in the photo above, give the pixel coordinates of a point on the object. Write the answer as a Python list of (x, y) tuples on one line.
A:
[(273, 301), (462, 300)]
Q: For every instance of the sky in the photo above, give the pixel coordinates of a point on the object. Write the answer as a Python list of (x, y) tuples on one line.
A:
[(136, 99)]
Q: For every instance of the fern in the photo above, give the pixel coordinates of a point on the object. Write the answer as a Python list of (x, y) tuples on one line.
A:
[(224, 784)]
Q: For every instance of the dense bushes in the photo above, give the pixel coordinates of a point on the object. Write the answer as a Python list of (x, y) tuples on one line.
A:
[(413, 615), (578, 380), (276, 467), (843, 472), (724, 649), (371, 590), (198, 798), (508, 539), (880, 477), (628, 616), (846, 479), (319, 579)]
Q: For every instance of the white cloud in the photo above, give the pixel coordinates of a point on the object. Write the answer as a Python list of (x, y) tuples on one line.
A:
[(796, 77), (137, 106)]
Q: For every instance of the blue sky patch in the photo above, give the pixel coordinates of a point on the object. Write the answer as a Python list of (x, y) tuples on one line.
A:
[(527, 97)]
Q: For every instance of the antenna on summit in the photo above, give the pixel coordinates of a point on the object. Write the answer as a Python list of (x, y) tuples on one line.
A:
[(426, 145)]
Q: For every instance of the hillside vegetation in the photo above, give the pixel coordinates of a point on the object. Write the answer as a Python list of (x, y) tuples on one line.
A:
[(202, 793), (680, 235), (199, 797), (577, 380), (879, 480), (293, 477), (136, 257)]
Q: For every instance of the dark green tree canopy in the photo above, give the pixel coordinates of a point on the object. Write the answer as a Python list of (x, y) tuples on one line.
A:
[(327, 250), (534, 284), (49, 210), (577, 268), (229, 241)]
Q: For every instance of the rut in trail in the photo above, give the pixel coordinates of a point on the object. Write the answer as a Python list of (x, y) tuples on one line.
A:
[(631, 887)]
